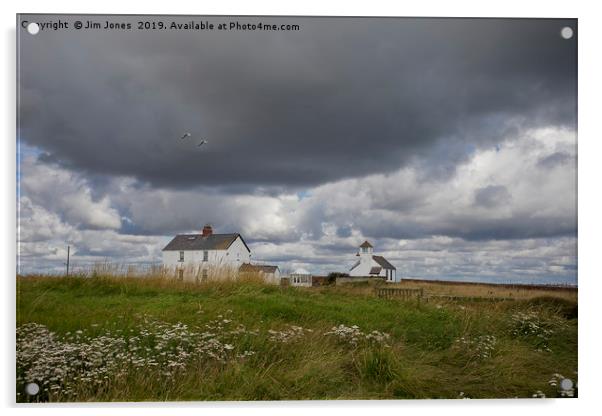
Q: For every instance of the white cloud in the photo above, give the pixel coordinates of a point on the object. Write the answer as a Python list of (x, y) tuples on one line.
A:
[(401, 203), (67, 194), (43, 239), (503, 214), (37, 224)]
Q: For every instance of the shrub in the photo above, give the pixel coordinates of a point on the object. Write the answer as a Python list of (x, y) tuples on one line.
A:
[(332, 277), (532, 327), (563, 307)]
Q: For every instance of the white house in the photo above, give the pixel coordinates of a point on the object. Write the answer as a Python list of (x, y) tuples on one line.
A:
[(198, 257), (271, 274), (371, 265)]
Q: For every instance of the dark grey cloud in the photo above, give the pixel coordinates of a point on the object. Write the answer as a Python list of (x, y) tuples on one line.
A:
[(491, 196), (555, 159), (520, 226), (342, 97)]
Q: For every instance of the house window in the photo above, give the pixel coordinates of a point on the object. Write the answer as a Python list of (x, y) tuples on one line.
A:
[(181, 274), (205, 255), (181, 256)]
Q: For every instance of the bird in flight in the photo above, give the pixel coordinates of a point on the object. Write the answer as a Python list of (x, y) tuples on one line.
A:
[(184, 136), (202, 143)]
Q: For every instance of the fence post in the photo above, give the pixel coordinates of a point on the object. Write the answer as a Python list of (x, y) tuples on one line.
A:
[(405, 294)]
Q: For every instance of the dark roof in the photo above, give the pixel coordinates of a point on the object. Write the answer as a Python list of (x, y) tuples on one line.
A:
[(183, 242), (383, 262), (366, 244), (256, 268), (375, 270)]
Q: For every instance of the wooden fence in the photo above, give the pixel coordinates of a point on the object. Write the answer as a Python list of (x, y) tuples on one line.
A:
[(469, 298), (398, 293)]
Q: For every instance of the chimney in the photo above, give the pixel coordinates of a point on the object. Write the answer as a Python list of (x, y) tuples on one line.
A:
[(207, 230)]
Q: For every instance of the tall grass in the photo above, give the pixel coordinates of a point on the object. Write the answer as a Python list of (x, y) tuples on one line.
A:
[(156, 338)]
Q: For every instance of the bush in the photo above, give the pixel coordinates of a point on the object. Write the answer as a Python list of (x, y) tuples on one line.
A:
[(563, 307), (332, 277)]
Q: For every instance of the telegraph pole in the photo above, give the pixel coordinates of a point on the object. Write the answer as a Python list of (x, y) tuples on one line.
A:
[(68, 249)]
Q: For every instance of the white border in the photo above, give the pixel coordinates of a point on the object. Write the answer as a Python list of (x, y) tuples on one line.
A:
[(590, 35)]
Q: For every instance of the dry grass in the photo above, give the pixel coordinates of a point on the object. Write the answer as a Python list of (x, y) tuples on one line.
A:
[(438, 289), (517, 292)]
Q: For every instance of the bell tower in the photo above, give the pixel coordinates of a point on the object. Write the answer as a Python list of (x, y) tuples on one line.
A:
[(365, 252)]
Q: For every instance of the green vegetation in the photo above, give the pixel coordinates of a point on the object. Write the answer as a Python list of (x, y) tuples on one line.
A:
[(135, 339)]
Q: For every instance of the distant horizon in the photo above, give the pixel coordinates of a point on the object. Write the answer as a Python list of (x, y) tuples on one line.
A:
[(459, 279), (77, 269)]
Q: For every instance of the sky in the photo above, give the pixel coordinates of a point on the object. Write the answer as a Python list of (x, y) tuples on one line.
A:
[(449, 144)]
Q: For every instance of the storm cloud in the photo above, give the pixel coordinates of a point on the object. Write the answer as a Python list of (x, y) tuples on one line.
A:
[(440, 140), (339, 98)]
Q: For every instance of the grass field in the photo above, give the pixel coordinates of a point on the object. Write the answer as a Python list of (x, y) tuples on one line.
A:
[(133, 339)]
